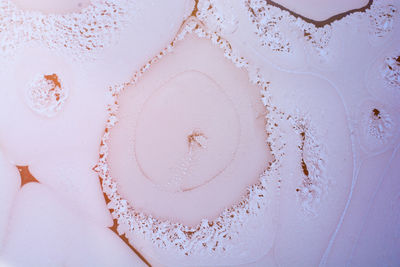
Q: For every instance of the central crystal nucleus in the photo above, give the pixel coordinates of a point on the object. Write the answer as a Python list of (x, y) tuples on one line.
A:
[(190, 129)]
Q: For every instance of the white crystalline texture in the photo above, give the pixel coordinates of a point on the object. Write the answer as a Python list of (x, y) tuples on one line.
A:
[(318, 37), (78, 34), (219, 13), (46, 95), (314, 182), (380, 126), (269, 21), (382, 19), (208, 236), (391, 70), (267, 18)]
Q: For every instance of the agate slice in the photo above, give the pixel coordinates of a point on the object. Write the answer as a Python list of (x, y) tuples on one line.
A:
[(186, 131), (191, 136), (199, 133)]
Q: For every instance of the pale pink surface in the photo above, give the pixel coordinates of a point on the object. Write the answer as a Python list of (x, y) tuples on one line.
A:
[(372, 171), (52, 6), (350, 215), (175, 132), (59, 236), (9, 186), (73, 135)]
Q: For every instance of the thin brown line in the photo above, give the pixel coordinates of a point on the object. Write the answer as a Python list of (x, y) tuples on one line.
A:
[(126, 241), (322, 23), (114, 228)]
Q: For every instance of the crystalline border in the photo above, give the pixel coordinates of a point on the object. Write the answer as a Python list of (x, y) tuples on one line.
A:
[(209, 236), (79, 34)]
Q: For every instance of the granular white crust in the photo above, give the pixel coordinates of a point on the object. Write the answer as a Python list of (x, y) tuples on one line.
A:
[(378, 127), (219, 13), (391, 71), (379, 124), (382, 18), (46, 96), (314, 182), (269, 20), (79, 35)]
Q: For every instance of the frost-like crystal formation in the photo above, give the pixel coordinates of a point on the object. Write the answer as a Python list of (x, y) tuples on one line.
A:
[(79, 34), (219, 14), (270, 20), (379, 125), (391, 70), (267, 19), (382, 19), (46, 94), (314, 182), (318, 37), (217, 239)]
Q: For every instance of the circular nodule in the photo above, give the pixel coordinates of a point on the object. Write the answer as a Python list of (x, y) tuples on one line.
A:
[(190, 135), (379, 126), (184, 124), (46, 94)]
